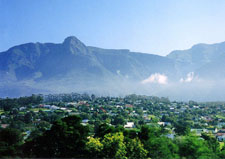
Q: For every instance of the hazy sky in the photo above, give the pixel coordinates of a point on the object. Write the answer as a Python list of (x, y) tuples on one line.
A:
[(151, 26)]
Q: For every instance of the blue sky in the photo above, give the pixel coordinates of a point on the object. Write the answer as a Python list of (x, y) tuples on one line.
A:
[(150, 26)]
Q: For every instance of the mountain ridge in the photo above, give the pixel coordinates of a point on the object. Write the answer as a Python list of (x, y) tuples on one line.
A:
[(71, 66), (198, 57), (72, 60)]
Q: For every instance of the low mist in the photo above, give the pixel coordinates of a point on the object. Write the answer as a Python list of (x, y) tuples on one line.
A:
[(190, 87)]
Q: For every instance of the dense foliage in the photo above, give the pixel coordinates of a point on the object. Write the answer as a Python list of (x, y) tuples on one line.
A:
[(83, 126)]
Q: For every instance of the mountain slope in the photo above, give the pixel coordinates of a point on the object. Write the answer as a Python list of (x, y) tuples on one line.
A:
[(197, 73), (31, 61), (72, 66), (204, 59), (132, 64)]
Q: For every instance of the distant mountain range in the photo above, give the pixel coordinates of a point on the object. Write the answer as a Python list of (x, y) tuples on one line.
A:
[(72, 66), (206, 60)]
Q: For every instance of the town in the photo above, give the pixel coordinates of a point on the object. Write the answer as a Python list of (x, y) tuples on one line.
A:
[(35, 114)]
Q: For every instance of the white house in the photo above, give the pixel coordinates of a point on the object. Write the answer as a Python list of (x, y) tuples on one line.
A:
[(129, 125)]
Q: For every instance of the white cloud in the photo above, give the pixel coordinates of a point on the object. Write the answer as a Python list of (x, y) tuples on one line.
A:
[(156, 78), (189, 78)]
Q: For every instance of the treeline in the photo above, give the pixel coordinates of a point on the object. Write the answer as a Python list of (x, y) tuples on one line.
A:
[(67, 97), (8, 104), (68, 138)]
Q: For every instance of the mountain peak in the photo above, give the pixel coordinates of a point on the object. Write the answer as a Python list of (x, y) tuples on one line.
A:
[(70, 39), (74, 45)]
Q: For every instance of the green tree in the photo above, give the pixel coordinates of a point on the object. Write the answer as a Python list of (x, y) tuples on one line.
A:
[(118, 120), (222, 153), (114, 146), (10, 142), (149, 132), (66, 138), (162, 147), (182, 127), (94, 148), (135, 149), (193, 147), (28, 117), (103, 129), (212, 143)]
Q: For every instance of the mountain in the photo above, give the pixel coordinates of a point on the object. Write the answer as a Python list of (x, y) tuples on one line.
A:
[(194, 74), (73, 66), (206, 60), (44, 61)]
